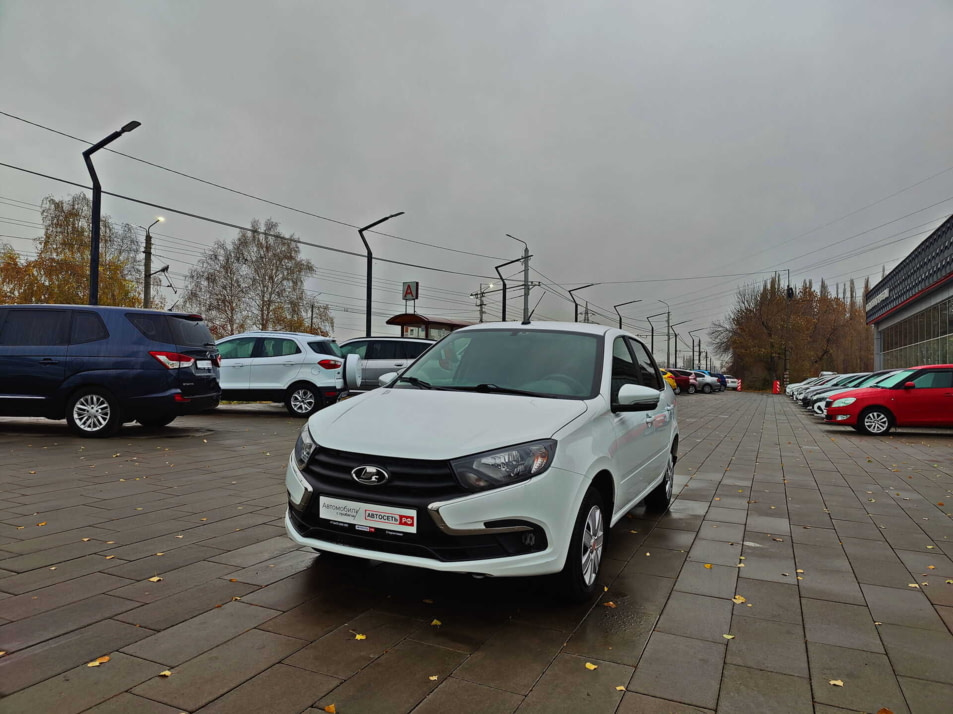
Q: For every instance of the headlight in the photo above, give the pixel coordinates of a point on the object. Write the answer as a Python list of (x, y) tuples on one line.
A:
[(846, 401), (304, 447), (502, 467)]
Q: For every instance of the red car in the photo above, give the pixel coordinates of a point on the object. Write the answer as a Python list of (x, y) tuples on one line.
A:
[(918, 396), (686, 381)]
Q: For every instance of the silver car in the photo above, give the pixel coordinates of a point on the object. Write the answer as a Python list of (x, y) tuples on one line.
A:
[(380, 355)]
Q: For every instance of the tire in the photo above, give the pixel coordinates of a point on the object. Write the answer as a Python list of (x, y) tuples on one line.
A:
[(875, 421), (578, 580), (302, 399), (706, 388), (661, 496), (692, 389), (818, 408), (157, 422), (678, 390), (93, 413)]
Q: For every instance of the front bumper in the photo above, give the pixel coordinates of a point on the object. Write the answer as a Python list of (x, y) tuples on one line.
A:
[(518, 530), (840, 415)]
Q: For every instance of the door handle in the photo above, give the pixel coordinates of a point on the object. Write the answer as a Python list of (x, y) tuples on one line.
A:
[(47, 360), (288, 364), (398, 364), (649, 418)]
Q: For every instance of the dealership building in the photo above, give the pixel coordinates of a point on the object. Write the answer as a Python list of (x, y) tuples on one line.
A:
[(911, 309)]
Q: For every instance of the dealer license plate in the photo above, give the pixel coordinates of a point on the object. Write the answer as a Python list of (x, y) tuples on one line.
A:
[(368, 515), (203, 364)]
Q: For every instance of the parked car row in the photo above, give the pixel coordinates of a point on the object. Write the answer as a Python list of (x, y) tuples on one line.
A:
[(876, 402)]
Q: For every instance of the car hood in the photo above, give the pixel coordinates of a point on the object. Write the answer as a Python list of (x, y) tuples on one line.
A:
[(861, 393), (433, 424)]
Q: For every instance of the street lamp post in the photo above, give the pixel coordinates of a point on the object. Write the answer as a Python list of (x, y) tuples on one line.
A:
[(147, 266), (652, 328), (97, 209), (691, 333), (672, 328), (616, 308), (525, 278), (576, 304), (503, 281), (370, 268), (668, 337)]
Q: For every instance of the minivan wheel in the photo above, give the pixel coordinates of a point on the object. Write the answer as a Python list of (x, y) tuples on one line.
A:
[(93, 413), (661, 496), (706, 388), (302, 400), (579, 574), (875, 421), (157, 422)]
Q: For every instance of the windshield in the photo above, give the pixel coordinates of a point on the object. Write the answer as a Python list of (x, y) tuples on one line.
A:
[(894, 379), (546, 363)]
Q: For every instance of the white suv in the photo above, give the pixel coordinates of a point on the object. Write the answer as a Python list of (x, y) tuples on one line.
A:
[(303, 371), (505, 450)]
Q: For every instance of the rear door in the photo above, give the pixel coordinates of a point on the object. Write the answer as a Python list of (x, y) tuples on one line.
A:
[(275, 363), (382, 356), (236, 356), (33, 354)]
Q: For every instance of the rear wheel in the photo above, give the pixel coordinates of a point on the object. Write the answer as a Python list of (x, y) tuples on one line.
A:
[(706, 388), (661, 496), (93, 413), (875, 421), (678, 390), (577, 581), (692, 389), (302, 399)]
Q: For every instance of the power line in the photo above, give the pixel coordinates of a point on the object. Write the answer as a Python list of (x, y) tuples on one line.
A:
[(248, 195)]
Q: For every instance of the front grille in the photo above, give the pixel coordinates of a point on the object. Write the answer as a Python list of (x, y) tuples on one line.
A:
[(416, 478)]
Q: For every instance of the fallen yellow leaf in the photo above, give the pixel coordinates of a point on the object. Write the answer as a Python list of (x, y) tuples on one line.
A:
[(428, 601), (913, 585), (799, 571), (836, 682), (43, 523), (432, 677), (2, 652), (931, 567), (884, 710), (160, 553), (609, 604), (590, 666), (167, 673), (620, 689), (435, 623), (156, 579), (85, 540), (358, 636), (235, 598), (110, 557), (707, 566), (330, 709), (738, 599), (98, 661), (729, 637)]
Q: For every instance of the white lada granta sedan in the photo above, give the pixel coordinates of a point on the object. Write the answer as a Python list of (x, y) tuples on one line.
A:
[(506, 449)]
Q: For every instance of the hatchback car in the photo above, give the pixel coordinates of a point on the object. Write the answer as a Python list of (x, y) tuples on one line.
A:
[(689, 381), (509, 450), (919, 396), (731, 383), (380, 355), (707, 382), (303, 371), (99, 367)]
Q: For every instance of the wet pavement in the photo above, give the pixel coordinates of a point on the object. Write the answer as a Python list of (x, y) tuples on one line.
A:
[(801, 568)]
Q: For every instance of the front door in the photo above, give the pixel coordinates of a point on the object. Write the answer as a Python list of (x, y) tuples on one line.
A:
[(33, 354), (929, 402), (630, 450)]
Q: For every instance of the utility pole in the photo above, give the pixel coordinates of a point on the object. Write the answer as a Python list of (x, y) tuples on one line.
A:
[(672, 328), (789, 295), (480, 294), (97, 209), (652, 328), (585, 315), (668, 331), (691, 334), (616, 308), (503, 281), (147, 266), (525, 278)]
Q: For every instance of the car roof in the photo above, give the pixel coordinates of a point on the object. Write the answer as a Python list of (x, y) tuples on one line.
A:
[(580, 327), (390, 337), (109, 308), (931, 366), (272, 333)]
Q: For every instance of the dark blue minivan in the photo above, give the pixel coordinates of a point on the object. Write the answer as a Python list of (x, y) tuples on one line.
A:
[(100, 367)]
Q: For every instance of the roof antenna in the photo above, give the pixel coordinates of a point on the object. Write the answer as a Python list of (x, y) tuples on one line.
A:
[(530, 316)]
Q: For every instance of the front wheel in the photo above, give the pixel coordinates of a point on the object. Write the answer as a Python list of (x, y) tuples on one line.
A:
[(678, 390), (692, 389), (706, 389), (578, 576), (93, 413), (302, 400), (875, 421)]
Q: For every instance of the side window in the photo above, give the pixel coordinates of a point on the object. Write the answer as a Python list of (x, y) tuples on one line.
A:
[(355, 348), (276, 347), (29, 328), (151, 326), (87, 327), (624, 368), (413, 350), (382, 349), (240, 348), (934, 380), (648, 372)]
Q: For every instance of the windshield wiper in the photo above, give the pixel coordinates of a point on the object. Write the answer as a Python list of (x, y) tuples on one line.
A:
[(493, 389), (419, 383)]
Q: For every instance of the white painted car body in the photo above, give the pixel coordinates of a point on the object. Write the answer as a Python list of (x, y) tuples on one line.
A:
[(634, 448)]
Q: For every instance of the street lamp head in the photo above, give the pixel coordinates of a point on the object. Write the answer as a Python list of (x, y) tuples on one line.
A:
[(130, 126), (160, 219)]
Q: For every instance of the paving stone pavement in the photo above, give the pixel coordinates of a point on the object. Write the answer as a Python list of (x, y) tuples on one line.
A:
[(839, 544)]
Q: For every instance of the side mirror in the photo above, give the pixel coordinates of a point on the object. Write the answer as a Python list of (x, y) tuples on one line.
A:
[(636, 398), (352, 372), (385, 379), (909, 385)]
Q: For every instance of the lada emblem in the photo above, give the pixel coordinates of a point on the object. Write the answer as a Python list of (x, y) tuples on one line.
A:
[(370, 475)]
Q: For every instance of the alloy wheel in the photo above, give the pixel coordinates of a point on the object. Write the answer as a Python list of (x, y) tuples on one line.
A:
[(91, 412), (593, 536), (876, 422), (302, 400)]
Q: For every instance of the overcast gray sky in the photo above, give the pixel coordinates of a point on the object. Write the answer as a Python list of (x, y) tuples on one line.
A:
[(624, 141)]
